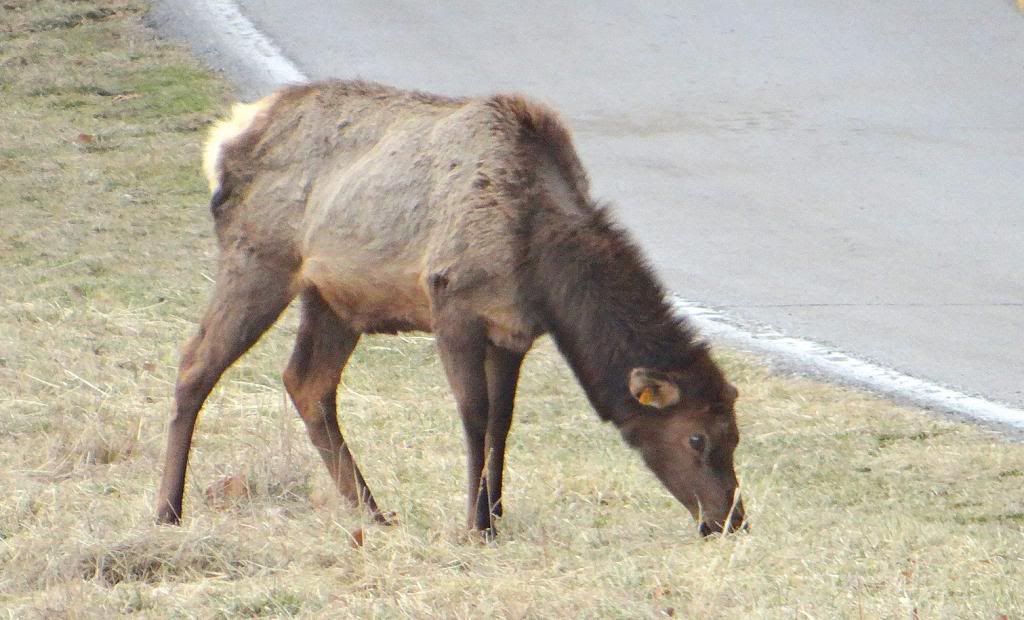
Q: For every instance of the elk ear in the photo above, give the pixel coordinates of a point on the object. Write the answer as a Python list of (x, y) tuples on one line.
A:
[(653, 388)]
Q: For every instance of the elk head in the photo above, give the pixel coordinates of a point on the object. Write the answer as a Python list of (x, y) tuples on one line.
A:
[(687, 437)]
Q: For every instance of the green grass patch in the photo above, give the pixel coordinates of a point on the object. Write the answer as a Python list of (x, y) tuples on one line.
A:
[(859, 508)]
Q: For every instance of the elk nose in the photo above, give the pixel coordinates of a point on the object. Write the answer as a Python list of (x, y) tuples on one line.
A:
[(736, 522), (738, 516)]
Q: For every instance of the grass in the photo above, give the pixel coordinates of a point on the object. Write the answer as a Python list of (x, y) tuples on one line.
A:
[(859, 508)]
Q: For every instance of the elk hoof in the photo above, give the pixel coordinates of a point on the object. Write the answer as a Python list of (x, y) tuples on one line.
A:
[(486, 536), (168, 519), (167, 516), (388, 517)]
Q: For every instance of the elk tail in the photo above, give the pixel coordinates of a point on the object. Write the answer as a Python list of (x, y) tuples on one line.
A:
[(244, 118)]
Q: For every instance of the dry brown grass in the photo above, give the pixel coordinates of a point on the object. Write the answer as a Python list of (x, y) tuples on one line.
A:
[(859, 508)]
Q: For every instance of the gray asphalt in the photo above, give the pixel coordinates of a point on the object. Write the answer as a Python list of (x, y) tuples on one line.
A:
[(848, 173)]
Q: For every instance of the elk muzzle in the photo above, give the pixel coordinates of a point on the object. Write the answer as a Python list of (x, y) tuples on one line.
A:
[(733, 521)]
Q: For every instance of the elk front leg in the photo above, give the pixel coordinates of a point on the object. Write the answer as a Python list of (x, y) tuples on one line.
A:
[(462, 345), (322, 348), (502, 377)]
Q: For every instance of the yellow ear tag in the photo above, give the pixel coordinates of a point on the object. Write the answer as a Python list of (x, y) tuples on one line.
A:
[(646, 396)]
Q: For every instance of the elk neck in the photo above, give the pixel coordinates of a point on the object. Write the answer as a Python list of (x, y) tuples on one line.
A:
[(604, 308)]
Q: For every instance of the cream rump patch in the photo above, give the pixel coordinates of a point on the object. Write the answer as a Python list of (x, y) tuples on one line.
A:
[(243, 117)]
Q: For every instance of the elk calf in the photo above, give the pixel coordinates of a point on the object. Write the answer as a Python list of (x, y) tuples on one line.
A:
[(386, 210)]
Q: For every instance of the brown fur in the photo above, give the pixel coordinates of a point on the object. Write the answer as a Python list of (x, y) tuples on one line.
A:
[(389, 210)]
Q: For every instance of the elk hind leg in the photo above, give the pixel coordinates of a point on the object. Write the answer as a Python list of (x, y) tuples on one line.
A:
[(322, 347), (246, 301)]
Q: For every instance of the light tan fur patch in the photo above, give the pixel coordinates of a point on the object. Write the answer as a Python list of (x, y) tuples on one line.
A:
[(243, 116)]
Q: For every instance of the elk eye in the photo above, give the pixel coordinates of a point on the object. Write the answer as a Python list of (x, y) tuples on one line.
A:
[(697, 442)]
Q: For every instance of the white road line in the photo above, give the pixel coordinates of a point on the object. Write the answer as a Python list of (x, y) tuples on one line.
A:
[(250, 42), (839, 366), (793, 351)]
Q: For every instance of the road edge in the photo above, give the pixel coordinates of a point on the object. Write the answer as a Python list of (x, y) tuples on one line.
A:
[(832, 364), (226, 40)]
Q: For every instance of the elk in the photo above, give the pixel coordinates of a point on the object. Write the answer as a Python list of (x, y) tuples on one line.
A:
[(386, 210)]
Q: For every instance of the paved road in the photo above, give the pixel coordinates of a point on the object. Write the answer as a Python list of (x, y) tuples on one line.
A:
[(849, 173)]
